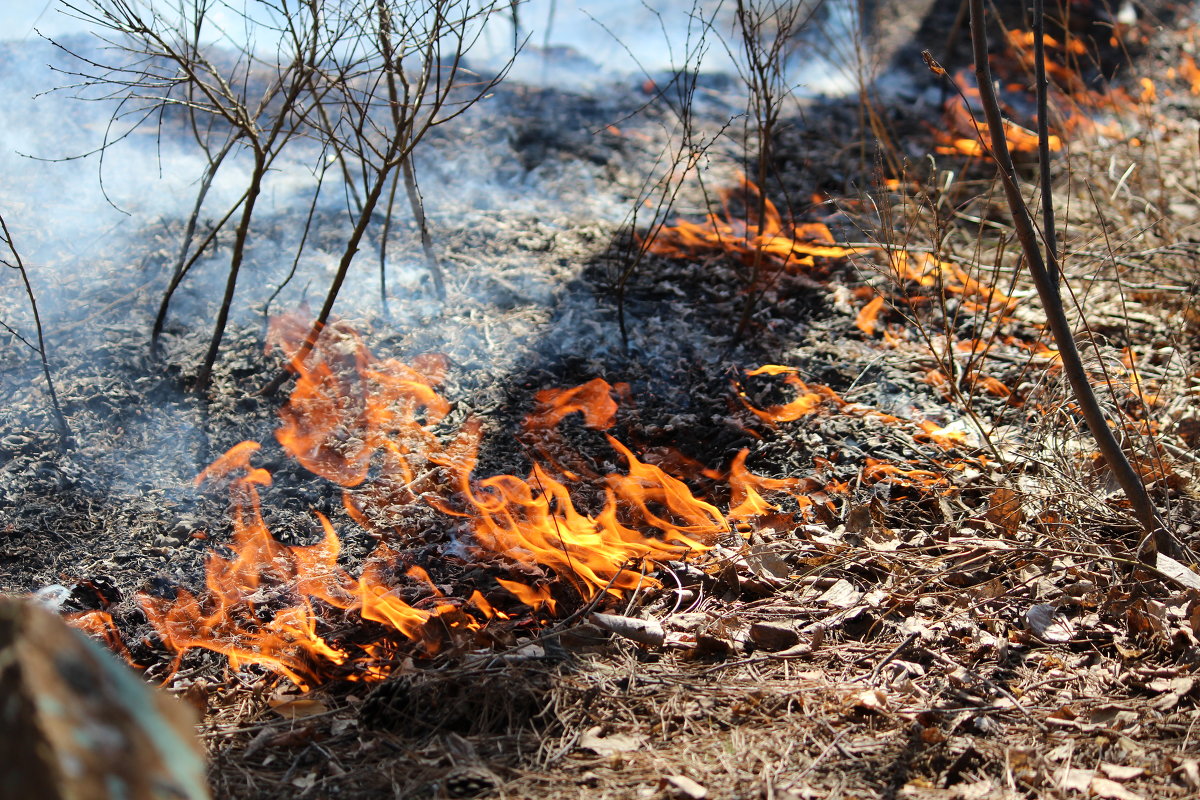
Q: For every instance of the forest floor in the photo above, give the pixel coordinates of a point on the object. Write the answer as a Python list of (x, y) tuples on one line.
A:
[(937, 594)]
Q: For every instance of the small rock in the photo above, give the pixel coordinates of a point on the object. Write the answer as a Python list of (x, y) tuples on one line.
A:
[(773, 636)]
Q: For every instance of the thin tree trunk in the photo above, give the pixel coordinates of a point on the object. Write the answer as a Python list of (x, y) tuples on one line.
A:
[(204, 376), (1049, 233), (182, 264), (418, 209), (383, 243), (1042, 270), (65, 439)]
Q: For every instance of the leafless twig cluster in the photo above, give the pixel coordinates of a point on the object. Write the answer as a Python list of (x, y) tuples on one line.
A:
[(362, 80)]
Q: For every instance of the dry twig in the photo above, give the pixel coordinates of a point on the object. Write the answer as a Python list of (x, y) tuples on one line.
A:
[(65, 440)]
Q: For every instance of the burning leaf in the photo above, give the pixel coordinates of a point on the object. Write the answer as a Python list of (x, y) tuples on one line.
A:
[(957, 434), (692, 522), (535, 522), (869, 315)]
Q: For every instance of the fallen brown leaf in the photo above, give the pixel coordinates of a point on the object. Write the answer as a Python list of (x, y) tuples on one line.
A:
[(682, 787), (1120, 772), (841, 595), (614, 744), (643, 631)]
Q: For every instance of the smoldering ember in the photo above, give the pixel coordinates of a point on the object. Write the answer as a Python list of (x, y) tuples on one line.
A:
[(748, 399)]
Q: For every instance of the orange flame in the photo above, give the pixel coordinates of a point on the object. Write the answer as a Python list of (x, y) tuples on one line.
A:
[(536, 597), (964, 135), (746, 499), (593, 399), (1077, 106), (745, 237), (808, 399), (535, 522), (1190, 73), (347, 405), (235, 619), (945, 439), (877, 471), (100, 625), (868, 316), (797, 246), (368, 425)]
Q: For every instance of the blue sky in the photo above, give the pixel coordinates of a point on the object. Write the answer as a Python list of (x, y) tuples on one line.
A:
[(19, 17), (571, 24), (563, 22)]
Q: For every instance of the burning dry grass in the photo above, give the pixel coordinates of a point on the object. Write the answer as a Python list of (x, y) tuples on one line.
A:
[(926, 646), (371, 428)]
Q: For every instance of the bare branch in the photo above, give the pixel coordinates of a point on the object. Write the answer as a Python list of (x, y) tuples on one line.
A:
[(65, 439)]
